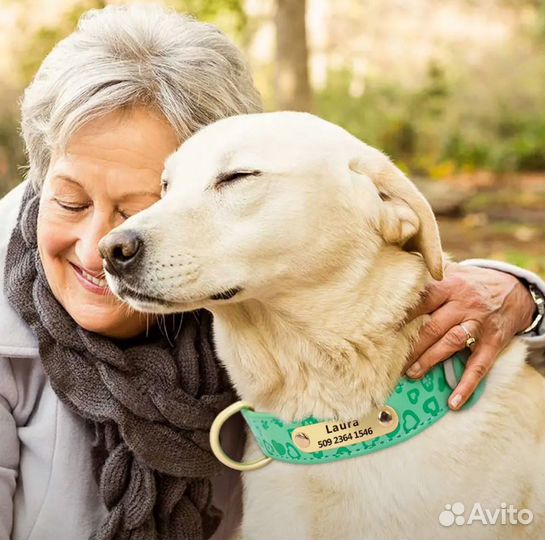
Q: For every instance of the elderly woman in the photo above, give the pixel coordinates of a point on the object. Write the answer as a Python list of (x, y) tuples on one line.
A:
[(104, 413)]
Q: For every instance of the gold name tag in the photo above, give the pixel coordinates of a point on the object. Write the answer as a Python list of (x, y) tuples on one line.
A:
[(333, 434)]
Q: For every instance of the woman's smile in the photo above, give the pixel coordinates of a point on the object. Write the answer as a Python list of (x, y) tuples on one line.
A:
[(95, 284)]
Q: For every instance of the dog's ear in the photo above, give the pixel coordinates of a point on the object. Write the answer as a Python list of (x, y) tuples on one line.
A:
[(406, 216)]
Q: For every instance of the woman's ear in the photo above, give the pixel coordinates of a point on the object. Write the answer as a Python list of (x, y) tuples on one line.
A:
[(406, 218)]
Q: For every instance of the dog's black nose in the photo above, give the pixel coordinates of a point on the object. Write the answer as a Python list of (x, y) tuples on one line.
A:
[(120, 250)]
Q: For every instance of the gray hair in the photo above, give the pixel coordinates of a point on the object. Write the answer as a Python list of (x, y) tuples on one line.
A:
[(122, 56)]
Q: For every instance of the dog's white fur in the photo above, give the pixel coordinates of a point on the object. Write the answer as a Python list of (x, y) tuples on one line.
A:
[(332, 246)]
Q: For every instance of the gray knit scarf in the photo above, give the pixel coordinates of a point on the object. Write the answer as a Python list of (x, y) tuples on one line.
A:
[(149, 402)]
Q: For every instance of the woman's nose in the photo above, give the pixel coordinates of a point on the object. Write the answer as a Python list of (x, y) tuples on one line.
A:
[(90, 233), (121, 250)]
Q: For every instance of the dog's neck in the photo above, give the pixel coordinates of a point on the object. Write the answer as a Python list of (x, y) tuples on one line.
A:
[(333, 350)]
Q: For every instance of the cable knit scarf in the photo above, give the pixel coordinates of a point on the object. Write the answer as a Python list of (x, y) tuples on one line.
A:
[(149, 402)]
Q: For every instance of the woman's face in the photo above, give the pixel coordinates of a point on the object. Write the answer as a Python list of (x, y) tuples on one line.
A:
[(110, 170)]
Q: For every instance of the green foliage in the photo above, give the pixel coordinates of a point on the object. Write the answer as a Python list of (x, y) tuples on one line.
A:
[(227, 14), (37, 46), (11, 152), (512, 146), (534, 263), (435, 129), (402, 122)]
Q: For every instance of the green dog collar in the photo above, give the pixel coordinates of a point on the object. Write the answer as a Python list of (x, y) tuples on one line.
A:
[(414, 406)]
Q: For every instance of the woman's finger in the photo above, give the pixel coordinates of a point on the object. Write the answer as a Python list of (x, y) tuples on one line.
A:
[(440, 322), (450, 343), (478, 365)]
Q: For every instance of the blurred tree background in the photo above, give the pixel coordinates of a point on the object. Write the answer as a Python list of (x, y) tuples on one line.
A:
[(453, 91)]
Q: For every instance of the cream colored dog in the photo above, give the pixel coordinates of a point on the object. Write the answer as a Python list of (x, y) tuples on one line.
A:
[(310, 247)]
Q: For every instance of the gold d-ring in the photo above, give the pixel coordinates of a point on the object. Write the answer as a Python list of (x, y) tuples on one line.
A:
[(216, 445)]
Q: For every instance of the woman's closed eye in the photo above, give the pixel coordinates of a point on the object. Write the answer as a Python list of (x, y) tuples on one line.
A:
[(71, 206)]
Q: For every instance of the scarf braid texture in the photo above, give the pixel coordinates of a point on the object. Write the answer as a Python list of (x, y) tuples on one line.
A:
[(149, 403)]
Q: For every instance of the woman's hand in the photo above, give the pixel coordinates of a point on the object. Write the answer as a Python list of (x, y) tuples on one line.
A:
[(493, 306)]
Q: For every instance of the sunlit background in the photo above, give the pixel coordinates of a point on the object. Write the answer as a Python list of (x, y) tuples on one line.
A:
[(452, 90)]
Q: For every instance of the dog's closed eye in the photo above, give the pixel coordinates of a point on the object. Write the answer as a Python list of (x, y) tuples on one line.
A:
[(232, 176)]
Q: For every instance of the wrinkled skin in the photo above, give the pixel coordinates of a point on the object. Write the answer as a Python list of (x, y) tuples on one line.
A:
[(493, 306)]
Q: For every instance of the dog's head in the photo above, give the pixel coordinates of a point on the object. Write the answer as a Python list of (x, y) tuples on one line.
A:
[(256, 204)]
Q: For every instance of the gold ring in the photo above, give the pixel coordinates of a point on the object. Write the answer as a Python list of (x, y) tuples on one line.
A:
[(470, 340), (215, 443)]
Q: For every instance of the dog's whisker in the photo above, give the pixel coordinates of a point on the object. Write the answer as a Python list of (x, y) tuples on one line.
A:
[(165, 333), (179, 327), (159, 325)]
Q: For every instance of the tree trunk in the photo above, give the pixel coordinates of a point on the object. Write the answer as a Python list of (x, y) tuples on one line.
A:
[(292, 86)]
